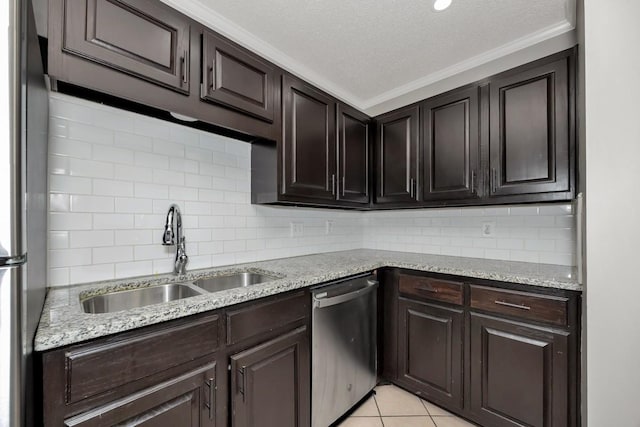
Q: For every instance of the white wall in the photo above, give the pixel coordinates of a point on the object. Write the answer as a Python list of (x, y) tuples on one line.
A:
[(113, 175), (612, 91)]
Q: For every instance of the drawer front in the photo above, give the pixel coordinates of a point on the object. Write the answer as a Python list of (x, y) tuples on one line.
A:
[(257, 319), (139, 37), (433, 289), (94, 369), (543, 308)]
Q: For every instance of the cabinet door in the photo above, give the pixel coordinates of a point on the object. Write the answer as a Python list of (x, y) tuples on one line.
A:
[(397, 156), (450, 146), (236, 78), (309, 142), (353, 155), (519, 374), (140, 37), (530, 131), (270, 383), (430, 355), (186, 401)]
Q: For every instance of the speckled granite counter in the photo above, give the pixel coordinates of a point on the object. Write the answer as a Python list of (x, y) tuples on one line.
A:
[(63, 321)]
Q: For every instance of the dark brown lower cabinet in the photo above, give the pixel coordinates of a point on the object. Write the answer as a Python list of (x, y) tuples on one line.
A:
[(430, 342), (270, 383), (188, 400), (519, 373), (498, 354)]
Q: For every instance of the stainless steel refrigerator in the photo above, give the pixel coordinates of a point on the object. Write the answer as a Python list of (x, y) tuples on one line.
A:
[(23, 203)]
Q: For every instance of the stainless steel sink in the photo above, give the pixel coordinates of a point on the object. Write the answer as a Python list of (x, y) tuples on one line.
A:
[(125, 300), (232, 281)]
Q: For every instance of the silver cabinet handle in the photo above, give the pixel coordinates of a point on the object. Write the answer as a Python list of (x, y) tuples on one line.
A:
[(333, 184), (185, 59), (212, 73), (494, 178), (412, 188), (344, 186), (426, 289), (473, 181), (509, 304), (211, 405)]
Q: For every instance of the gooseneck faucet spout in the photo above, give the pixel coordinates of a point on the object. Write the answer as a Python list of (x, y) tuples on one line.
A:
[(169, 239)]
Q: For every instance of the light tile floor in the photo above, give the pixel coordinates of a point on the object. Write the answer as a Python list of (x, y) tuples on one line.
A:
[(393, 407)]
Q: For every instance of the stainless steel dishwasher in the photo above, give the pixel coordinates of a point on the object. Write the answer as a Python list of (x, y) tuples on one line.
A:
[(344, 356)]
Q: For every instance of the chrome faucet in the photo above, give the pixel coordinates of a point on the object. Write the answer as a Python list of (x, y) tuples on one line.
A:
[(169, 239)]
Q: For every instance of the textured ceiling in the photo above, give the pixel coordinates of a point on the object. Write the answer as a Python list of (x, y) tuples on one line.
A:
[(369, 51)]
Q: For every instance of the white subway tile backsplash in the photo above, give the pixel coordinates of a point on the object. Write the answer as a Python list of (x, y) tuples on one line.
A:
[(91, 134), (113, 175), (151, 191), (104, 187), (70, 221), (90, 239), (113, 154), (70, 148), (132, 269), (69, 257), (69, 184), (133, 141), (133, 205), (59, 202), (112, 221), (91, 273), (81, 203), (112, 254), (58, 239), (134, 237), (151, 160)]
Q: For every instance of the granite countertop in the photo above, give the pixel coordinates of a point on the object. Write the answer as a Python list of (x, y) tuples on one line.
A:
[(63, 322)]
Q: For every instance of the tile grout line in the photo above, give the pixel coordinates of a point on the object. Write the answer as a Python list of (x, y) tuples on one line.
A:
[(377, 407)]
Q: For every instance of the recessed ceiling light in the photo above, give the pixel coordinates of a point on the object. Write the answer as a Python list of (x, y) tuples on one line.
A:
[(440, 5)]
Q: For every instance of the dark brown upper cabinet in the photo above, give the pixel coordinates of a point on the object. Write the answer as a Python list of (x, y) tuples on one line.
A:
[(396, 164), (531, 125), (308, 143), (237, 79), (139, 37), (354, 141), (451, 146), (270, 384)]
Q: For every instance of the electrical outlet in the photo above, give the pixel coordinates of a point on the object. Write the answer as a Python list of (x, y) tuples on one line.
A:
[(297, 229), (488, 229), (328, 227)]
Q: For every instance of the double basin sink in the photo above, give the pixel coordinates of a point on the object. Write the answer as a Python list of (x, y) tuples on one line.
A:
[(125, 300)]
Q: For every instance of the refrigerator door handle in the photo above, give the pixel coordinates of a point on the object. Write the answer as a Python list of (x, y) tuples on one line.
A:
[(13, 260)]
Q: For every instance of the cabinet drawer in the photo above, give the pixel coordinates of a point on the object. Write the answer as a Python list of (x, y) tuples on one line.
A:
[(94, 369), (543, 308), (430, 288), (256, 319)]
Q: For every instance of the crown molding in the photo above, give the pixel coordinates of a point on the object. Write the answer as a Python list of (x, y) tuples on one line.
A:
[(232, 31), (473, 62), (229, 29)]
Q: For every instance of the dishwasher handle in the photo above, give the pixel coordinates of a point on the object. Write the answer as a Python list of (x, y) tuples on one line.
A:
[(339, 299)]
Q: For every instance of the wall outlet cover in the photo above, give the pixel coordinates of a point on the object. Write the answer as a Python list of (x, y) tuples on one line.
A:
[(297, 229), (328, 227), (488, 229)]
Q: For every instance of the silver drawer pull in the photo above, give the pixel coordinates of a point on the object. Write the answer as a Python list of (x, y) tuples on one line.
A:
[(508, 304), (427, 289)]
